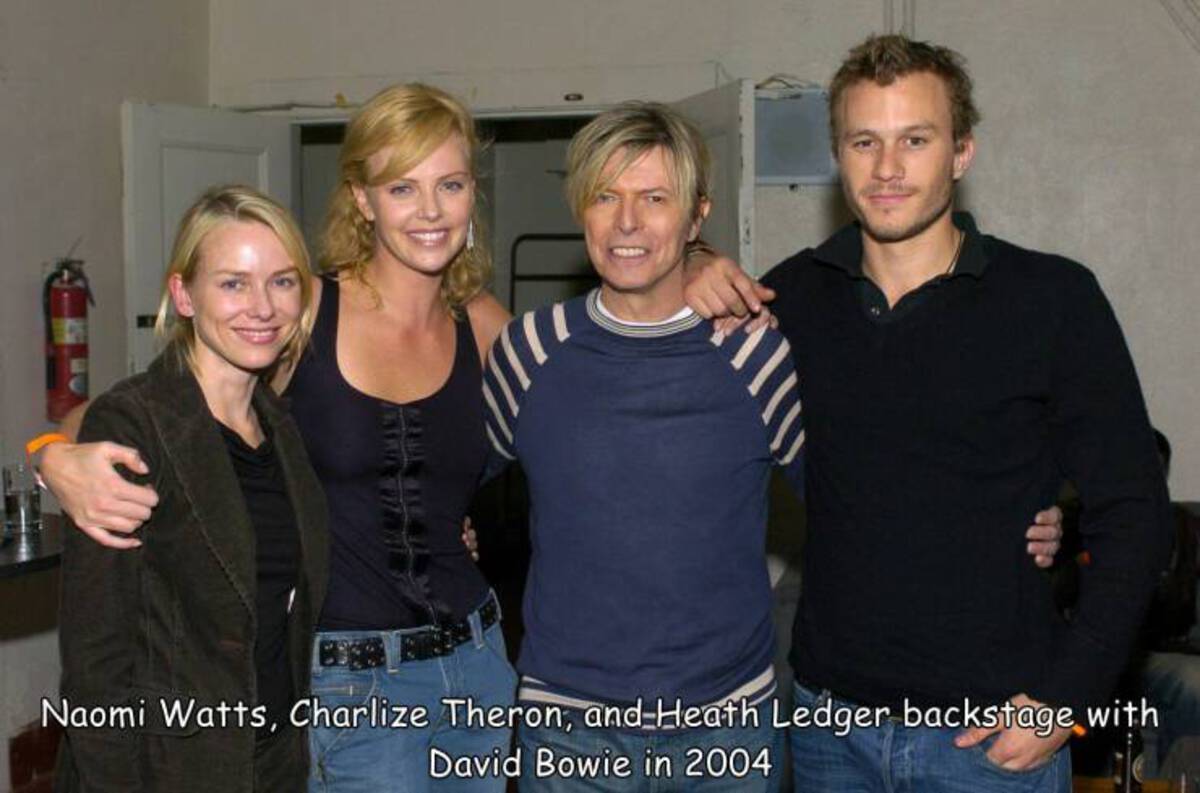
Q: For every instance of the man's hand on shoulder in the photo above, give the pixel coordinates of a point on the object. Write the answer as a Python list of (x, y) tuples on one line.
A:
[(749, 324), (715, 286)]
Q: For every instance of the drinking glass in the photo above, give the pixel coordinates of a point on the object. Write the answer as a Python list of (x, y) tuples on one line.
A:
[(22, 500)]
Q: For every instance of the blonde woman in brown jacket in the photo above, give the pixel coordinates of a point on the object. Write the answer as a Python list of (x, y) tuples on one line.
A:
[(183, 656)]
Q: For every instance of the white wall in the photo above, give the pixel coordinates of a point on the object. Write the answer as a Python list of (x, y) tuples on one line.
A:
[(518, 52), (1087, 146), (64, 69)]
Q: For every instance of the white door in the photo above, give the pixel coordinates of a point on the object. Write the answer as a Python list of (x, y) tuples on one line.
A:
[(725, 116), (171, 154)]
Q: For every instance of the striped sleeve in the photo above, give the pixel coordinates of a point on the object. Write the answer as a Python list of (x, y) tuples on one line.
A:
[(763, 363), (515, 360)]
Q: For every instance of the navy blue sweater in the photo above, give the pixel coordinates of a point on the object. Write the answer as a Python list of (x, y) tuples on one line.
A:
[(648, 452)]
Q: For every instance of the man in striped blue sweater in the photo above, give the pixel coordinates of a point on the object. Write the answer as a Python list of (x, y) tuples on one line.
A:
[(648, 442)]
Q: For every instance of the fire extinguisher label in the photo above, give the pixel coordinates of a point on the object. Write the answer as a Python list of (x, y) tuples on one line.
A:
[(79, 366), (69, 331)]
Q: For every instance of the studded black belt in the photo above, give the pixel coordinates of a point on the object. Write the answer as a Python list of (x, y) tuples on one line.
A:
[(435, 642)]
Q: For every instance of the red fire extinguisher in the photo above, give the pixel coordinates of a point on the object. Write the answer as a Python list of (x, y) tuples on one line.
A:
[(65, 298)]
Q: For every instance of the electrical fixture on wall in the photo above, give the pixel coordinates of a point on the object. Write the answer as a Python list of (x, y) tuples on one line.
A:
[(791, 133)]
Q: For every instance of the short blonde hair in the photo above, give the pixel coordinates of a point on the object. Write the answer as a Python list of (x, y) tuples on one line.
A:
[(629, 131), (226, 204), (414, 120)]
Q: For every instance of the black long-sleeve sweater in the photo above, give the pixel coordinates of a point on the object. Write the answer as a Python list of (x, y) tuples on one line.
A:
[(936, 430)]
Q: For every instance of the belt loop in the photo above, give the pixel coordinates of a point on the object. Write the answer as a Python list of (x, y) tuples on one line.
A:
[(391, 650), (316, 655), (476, 623), (494, 599)]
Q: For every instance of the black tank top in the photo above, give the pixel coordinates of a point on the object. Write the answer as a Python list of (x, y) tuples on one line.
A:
[(399, 479)]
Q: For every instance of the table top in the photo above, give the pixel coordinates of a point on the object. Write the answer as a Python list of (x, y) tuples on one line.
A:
[(1081, 784), (28, 553)]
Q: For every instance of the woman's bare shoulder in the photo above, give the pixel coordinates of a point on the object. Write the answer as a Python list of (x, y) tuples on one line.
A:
[(488, 318)]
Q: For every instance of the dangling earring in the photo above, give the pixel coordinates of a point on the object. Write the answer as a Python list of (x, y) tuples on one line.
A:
[(471, 234)]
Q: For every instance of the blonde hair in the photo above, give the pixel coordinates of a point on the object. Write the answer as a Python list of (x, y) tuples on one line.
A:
[(414, 120), (225, 204), (629, 131)]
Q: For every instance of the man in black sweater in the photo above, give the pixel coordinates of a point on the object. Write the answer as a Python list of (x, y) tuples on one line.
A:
[(950, 382)]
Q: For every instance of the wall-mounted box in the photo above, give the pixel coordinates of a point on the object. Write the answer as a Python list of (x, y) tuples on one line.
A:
[(791, 137)]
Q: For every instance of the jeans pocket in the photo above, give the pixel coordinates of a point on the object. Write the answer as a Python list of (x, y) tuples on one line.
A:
[(338, 695), (980, 752)]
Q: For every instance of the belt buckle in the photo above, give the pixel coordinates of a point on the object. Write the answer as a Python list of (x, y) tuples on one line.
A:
[(426, 645)]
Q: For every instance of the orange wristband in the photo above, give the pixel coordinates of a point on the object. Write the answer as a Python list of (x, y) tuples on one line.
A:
[(36, 445), (42, 440), (45, 439)]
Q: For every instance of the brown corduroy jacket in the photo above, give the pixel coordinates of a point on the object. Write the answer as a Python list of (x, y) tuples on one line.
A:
[(172, 624)]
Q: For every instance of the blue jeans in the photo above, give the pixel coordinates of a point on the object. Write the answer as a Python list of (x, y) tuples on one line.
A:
[(1171, 682), (383, 758), (744, 758), (893, 758)]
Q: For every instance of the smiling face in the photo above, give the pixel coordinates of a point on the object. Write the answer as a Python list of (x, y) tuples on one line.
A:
[(421, 218), (637, 230), (244, 299), (898, 157)]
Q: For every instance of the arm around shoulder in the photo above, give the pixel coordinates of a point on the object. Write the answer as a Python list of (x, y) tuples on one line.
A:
[(85, 478), (715, 286), (73, 420)]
